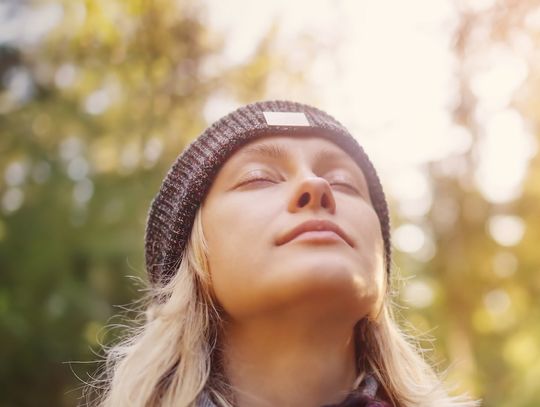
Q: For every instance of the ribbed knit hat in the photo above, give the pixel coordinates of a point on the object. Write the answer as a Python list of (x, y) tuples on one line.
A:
[(172, 211)]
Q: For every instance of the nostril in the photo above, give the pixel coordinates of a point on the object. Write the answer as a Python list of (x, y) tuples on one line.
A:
[(303, 200), (325, 202)]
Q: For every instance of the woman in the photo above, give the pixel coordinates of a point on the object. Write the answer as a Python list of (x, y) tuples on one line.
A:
[(269, 260)]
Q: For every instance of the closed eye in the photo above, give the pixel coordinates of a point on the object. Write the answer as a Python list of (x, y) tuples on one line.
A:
[(345, 185), (256, 180), (342, 182), (257, 177)]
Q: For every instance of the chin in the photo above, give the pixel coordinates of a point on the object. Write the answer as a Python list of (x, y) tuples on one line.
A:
[(322, 274), (329, 264)]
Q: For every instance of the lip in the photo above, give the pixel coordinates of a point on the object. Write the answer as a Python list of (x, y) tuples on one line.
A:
[(314, 225)]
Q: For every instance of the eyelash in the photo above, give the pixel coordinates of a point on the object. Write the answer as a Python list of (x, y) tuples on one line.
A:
[(256, 179), (270, 180), (345, 184)]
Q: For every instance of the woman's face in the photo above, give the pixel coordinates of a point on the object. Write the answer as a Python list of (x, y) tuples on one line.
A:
[(290, 228)]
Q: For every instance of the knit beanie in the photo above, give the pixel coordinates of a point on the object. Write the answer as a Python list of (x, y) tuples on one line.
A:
[(172, 211)]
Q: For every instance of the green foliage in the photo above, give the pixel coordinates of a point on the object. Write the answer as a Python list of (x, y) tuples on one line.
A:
[(105, 101), (94, 110)]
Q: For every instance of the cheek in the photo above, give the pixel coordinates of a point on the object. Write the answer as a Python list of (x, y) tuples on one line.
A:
[(363, 223), (366, 226), (232, 230), (222, 238), (236, 252)]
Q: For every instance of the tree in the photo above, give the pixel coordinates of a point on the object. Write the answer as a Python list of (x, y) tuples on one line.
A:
[(97, 99)]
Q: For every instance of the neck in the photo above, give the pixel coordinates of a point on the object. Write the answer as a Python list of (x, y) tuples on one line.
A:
[(281, 362)]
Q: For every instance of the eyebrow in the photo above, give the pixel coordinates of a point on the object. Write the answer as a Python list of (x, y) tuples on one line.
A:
[(276, 151)]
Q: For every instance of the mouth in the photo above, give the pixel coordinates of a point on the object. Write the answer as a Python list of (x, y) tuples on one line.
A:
[(316, 229)]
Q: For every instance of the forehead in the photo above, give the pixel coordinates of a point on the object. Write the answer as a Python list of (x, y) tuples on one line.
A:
[(287, 146)]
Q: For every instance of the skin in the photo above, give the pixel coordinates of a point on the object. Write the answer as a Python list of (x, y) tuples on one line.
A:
[(291, 307)]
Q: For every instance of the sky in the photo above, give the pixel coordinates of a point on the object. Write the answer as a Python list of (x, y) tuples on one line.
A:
[(385, 68)]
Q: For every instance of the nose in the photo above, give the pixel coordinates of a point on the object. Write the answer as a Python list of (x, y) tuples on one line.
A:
[(313, 193)]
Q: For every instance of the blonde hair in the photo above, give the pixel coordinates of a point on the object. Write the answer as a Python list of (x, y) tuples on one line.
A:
[(174, 355)]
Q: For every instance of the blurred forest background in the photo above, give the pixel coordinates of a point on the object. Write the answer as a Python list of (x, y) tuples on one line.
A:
[(98, 97)]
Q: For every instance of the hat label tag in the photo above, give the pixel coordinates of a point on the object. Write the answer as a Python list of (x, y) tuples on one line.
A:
[(286, 119)]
